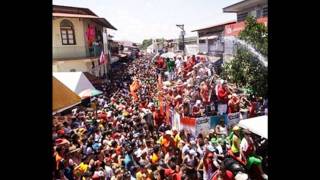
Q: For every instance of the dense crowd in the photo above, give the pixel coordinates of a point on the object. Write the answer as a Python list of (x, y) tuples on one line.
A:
[(123, 133)]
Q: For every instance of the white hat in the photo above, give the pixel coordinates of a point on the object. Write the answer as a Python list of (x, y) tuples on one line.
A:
[(178, 97), (198, 102), (241, 176), (192, 152), (169, 132)]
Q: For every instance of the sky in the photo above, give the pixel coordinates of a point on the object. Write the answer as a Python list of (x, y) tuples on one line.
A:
[(137, 20)]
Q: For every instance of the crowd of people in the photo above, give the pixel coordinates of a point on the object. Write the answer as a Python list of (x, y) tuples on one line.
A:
[(124, 134), (203, 92)]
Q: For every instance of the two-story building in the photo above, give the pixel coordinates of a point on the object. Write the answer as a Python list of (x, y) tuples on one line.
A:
[(79, 36), (210, 39)]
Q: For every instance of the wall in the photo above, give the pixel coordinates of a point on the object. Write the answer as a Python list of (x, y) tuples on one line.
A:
[(68, 51), (79, 66), (203, 47)]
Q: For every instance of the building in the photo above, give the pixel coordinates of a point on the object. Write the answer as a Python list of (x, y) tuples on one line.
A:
[(256, 8), (210, 39), (191, 46), (79, 36)]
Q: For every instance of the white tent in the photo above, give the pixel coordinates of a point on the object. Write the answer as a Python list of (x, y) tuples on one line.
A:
[(76, 81), (257, 125)]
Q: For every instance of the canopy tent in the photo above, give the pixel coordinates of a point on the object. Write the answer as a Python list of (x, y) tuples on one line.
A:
[(92, 78), (76, 81), (257, 125), (62, 97)]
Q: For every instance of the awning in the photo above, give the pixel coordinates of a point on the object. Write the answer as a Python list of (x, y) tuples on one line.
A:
[(62, 97), (100, 20), (209, 37), (257, 125)]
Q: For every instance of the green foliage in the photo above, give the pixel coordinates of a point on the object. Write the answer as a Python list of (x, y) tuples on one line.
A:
[(255, 34), (146, 43), (245, 70)]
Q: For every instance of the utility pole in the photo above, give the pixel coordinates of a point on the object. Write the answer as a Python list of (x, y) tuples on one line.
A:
[(181, 26)]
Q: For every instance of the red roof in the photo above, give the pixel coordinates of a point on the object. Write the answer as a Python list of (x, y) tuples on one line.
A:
[(222, 24)]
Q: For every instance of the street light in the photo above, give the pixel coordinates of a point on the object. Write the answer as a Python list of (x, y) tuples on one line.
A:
[(181, 26)]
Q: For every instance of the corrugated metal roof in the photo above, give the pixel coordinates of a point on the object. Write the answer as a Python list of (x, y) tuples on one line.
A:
[(222, 24)]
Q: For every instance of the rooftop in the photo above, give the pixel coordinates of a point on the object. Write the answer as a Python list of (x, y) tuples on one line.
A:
[(78, 12), (217, 25), (243, 5)]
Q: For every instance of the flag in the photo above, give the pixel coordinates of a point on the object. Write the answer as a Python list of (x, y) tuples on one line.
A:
[(102, 59)]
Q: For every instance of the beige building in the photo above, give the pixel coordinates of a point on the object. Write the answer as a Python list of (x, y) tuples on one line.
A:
[(79, 36)]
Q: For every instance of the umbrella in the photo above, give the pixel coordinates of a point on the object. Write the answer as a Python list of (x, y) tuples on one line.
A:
[(89, 93), (168, 55)]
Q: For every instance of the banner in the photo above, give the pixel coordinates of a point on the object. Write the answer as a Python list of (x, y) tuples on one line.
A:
[(188, 124), (233, 118), (222, 109), (202, 125), (214, 120)]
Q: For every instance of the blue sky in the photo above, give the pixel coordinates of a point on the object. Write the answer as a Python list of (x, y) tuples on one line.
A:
[(141, 19)]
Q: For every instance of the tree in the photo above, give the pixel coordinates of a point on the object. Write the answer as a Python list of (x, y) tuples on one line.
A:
[(245, 70), (146, 43), (256, 34)]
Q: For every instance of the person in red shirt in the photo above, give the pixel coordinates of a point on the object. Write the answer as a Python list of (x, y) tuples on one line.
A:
[(204, 92), (223, 92), (161, 63), (252, 107), (234, 104), (223, 174)]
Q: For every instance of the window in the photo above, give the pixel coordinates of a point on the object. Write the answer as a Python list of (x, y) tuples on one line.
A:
[(242, 16), (202, 41), (265, 11), (259, 13), (67, 33)]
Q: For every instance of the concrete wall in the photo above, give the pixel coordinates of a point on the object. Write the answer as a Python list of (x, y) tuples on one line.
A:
[(68, 51)]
